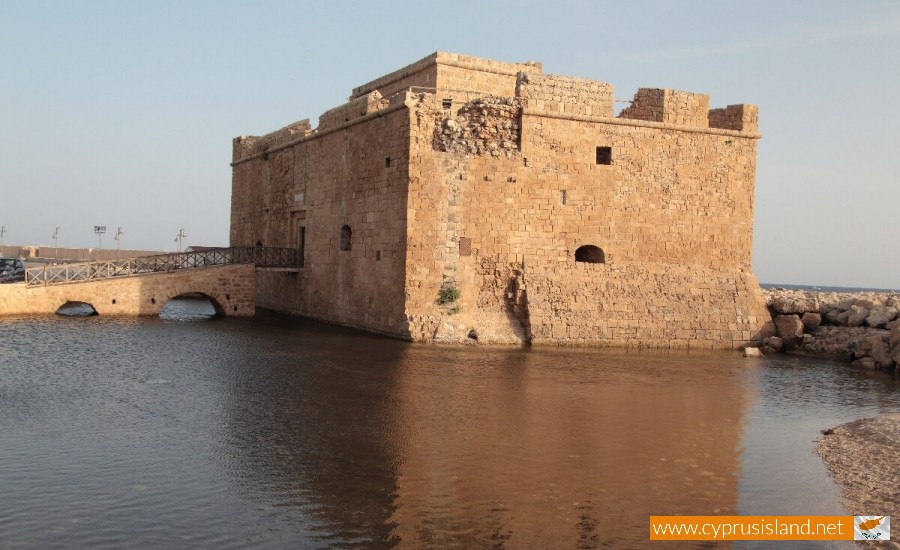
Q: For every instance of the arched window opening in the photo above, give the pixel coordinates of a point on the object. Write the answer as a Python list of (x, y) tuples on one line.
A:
[(346, 233), (590, 254)]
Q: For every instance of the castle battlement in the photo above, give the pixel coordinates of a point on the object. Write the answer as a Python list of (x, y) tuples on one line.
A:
[(455, 80)]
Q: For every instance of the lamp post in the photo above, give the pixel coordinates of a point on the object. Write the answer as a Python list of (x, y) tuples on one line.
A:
[(178, 238), (99, 230), (56, 242), (2, 233), (118, 239)]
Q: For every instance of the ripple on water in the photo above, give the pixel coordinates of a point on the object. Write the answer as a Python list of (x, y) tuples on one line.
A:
[(276, 432)]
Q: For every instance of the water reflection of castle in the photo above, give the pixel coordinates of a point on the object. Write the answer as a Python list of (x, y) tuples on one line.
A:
[(431, 447)]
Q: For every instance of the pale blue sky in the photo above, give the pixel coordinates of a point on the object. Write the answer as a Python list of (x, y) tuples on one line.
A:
[(121, 113)]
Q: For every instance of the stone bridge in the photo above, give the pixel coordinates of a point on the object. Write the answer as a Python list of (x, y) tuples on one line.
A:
[(143, 285), (230, 288)]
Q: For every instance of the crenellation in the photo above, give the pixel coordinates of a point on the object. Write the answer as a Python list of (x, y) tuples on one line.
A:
[(669, 107), (561, 95), (743, 118)]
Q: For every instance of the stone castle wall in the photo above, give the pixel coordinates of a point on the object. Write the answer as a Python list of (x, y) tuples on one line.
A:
[(500, 176), (350, 172)]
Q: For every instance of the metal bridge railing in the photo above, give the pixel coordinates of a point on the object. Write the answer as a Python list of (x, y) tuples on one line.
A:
[(163, 263)]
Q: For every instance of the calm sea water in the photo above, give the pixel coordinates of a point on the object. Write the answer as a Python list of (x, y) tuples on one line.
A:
[(183, 432)]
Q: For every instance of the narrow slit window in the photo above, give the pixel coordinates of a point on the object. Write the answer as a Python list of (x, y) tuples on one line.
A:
[(301, 247), (604, 155), (563, 198), (387, 162), (346, 234)]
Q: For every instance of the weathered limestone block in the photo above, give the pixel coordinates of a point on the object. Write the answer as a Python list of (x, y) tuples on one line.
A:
[(895, 334), (875, 347), (811, 321), (856, 315), (790, 328), (774, 342), (881, 316), (788, 304), (865, 362), (752, 352)]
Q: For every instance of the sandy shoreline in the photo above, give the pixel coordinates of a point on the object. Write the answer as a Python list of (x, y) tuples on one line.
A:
[(863, 457)]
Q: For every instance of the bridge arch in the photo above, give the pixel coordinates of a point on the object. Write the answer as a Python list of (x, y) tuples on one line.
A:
[(76, 308), (219, 302)]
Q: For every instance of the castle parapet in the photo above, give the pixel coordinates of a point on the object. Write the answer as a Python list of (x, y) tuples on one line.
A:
[(355, 108), (669, 107), (246, 146), (743, 117), (565, 95)]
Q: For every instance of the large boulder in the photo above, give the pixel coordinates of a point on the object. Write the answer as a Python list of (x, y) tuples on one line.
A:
[(788, 304), (881, 316), (790, 328), (895, 334), (875, 347), (811, 321), (774, 342), (857, 315), (837, 316)]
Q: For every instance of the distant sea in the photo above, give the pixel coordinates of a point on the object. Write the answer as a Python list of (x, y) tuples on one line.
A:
[(827, 288)]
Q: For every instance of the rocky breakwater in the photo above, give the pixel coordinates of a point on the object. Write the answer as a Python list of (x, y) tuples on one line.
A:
[(862, 328)]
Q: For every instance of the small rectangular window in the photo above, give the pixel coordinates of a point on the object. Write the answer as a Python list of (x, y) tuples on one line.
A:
[(377, 255), (447, 103), (604, 155), (387, 162), (563, 199)]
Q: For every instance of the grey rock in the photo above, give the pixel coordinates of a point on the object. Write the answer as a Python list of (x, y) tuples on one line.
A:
[(894, 338), (865, 362), (837, 316), (857, 315), (881, 316), (774, 342)]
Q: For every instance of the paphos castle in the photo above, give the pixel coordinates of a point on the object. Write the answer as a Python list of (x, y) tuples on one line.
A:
[(466, 199)]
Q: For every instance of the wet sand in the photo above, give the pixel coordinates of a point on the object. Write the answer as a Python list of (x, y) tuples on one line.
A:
[(863, 456)]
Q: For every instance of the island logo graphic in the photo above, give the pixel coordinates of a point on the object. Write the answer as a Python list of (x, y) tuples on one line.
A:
[(871, 527)]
